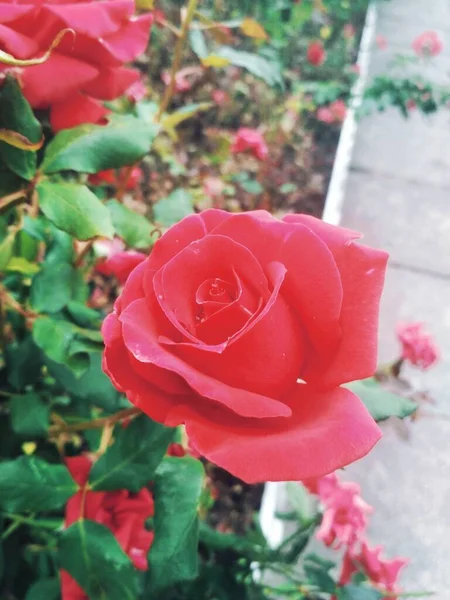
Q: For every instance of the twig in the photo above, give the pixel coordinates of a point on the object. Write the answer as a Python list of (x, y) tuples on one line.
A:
[(82, 255), (11, 199), (192, 5), (127, 413)]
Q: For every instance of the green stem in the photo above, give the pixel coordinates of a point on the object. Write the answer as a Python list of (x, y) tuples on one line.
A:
[(21, 520), (127, 413), (191, 8)]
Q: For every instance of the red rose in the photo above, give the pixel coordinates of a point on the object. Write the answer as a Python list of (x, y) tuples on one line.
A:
[(242, 327), (110, 177), (428, 43), (120, 264), (83, 70), (251, 140), (418, 347), (122, 512), (316, 54)]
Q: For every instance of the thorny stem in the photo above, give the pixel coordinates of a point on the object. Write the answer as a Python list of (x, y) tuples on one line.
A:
[(192, 5), (8, 300), (127, 413)]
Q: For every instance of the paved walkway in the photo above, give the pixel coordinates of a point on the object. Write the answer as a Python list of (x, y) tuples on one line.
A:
[(398, 194)]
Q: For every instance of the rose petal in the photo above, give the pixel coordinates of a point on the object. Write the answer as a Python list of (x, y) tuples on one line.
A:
[(10, 12), (111, 83), (175, 285), (20, 46), (265, 357), (312, 284), (327, 430), (362, 272), (117, 365), (76, 110), (48, 83), (95, 19), (131, 40), (140, 335)]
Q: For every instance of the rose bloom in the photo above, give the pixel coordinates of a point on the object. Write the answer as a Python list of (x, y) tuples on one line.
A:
[(428, 44), (316, 54), (84, 69), (123, 512), (112, 178), (116, 261), (243, 327), (339, 110), (183, 82), (251, 140), (418, 347), (345, 516), (381, 572)]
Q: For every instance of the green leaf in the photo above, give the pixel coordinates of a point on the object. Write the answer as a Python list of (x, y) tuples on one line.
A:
[(356, 592), (93, 148), (21, 265), (44, 589), (90, 553), (29, 415), (53, 337), (131, 461), (175, 207), (318, 575), (83, 315), (133, 228), (381, 403), (93, 387), (16, 114), (24, 361), (6, 249), (259, 66), (301, 501), (75, 209), (31, 484), (51, 289), (173, 555), (252, 186), (198, 43)]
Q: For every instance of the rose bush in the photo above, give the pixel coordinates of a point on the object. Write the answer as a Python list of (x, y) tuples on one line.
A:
[(84, 69), (243, 328)]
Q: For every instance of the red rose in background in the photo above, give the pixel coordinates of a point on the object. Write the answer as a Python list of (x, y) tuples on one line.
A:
[(117, 261), (345, 516), (383, 573), (122, 512), (111, 177), (316, 54), (418, 347), (83, 70), (428, 43), (242, 327), (251, 140)]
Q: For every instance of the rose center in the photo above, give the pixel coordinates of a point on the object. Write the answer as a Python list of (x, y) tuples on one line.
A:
[(212, 295)]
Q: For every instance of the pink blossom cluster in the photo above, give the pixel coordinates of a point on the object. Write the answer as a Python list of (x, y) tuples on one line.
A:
[(417, 346), (344, 525)]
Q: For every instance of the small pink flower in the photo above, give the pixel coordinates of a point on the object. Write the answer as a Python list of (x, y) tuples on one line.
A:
[(356, 69), (325, 115), (411, 105), (220, 97), (183, 82), (418, 347), (136, 92), (428, 44), (339, 110), (316, 54), (381, 42), (349, 31), (345, 516), (381, 572), (251, 140)]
